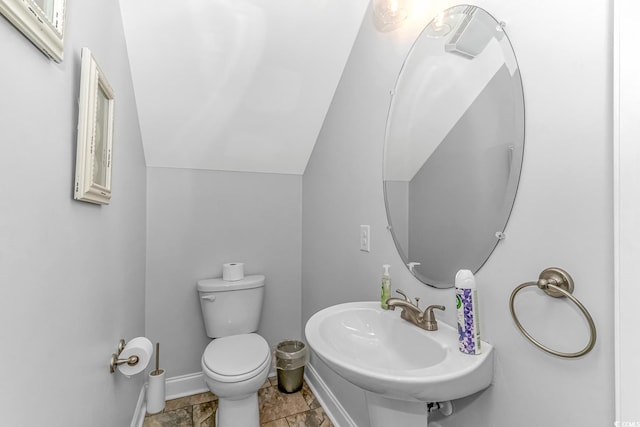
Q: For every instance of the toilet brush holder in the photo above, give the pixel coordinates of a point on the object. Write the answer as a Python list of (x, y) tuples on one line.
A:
[(156, 391)]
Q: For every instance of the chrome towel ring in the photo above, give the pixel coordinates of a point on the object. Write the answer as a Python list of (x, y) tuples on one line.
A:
[(557, 283)]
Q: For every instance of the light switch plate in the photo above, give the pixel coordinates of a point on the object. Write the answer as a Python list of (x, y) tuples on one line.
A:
[(365, 238)]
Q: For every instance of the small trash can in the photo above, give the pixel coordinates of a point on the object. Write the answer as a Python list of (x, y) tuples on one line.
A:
[(291, 356)]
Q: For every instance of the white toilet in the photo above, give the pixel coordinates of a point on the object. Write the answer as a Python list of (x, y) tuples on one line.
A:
[(236, 363)]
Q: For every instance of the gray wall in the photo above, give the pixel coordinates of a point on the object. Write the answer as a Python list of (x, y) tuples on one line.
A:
[(71, 273), (198, 220), (562, 217)]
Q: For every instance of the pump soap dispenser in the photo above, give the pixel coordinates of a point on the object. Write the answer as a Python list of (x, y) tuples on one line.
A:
[(385, 292)]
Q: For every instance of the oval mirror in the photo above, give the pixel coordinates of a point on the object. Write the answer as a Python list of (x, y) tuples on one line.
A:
[(453, 146)]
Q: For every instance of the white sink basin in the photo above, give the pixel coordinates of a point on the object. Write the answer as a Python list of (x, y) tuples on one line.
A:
[(380, 352)]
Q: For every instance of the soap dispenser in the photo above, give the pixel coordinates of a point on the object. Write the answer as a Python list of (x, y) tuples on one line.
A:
[(385, 292)]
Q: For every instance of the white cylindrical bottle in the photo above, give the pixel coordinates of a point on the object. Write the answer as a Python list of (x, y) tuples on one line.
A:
[(468, 313)]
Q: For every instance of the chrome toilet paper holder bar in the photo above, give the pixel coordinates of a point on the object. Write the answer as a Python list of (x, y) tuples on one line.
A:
[(115, 362)]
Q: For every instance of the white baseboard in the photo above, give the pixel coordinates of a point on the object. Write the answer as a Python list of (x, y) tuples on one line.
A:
[(141, 408), (186, 385), (334, 410)]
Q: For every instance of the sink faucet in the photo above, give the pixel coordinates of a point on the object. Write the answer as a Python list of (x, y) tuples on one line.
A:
[(413, 314)]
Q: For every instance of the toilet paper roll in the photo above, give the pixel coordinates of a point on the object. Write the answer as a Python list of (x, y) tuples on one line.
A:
[(233, 271), (141, 347)]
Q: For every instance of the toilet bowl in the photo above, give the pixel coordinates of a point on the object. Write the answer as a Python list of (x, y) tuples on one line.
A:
[(234, 368), (236, 363)]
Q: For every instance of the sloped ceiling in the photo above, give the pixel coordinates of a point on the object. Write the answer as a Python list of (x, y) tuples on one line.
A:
[(236, 85)]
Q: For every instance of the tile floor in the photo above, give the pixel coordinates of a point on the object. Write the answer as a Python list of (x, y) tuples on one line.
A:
[(277, 409)]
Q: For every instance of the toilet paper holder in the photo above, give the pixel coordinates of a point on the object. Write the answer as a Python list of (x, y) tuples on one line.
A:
[(131, 361)]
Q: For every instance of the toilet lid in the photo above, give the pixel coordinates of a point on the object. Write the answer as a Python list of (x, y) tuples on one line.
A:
[(236, 354)]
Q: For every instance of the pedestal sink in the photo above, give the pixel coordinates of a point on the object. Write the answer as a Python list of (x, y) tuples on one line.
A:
[(401, 366)]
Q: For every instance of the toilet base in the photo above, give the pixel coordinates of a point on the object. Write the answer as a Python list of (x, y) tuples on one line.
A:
[(238, 412)]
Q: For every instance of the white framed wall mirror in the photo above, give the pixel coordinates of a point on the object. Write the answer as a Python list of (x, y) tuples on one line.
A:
[(41, 21)]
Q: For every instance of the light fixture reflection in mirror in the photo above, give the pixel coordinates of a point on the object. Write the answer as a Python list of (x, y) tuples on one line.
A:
[(391, 14), (438, 28)]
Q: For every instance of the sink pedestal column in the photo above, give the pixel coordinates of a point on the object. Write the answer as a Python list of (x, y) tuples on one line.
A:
[(385, 412)]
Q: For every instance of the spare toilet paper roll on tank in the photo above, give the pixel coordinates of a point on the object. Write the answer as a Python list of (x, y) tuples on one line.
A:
[(233, 271), (141, 347)]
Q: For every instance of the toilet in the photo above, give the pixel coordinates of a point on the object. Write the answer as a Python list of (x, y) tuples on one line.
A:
[(236, 363)]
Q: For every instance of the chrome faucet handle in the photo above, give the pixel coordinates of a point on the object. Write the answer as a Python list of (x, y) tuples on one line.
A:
[(431, 324), (406, 298)]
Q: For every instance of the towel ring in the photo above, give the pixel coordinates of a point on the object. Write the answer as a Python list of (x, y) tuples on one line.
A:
[(557, 283)]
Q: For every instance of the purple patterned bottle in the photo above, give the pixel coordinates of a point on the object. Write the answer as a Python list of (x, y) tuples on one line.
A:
[(467, 306)]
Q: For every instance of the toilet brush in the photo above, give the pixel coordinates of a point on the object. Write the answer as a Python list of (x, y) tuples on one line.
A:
[(156, 391), (157, 371)]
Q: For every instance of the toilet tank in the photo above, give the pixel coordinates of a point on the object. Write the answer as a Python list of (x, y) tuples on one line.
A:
[(230, 308)]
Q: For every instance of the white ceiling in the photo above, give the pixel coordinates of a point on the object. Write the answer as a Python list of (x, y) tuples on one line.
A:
[(240, 85)]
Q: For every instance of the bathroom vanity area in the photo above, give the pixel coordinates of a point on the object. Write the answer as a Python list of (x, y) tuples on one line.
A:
[(563, 193)]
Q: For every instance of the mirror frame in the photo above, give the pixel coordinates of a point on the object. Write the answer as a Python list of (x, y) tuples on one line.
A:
[(27, 17), (92, 82)]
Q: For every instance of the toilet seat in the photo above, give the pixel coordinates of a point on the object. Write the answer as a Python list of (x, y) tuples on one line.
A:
[(236, 358)]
